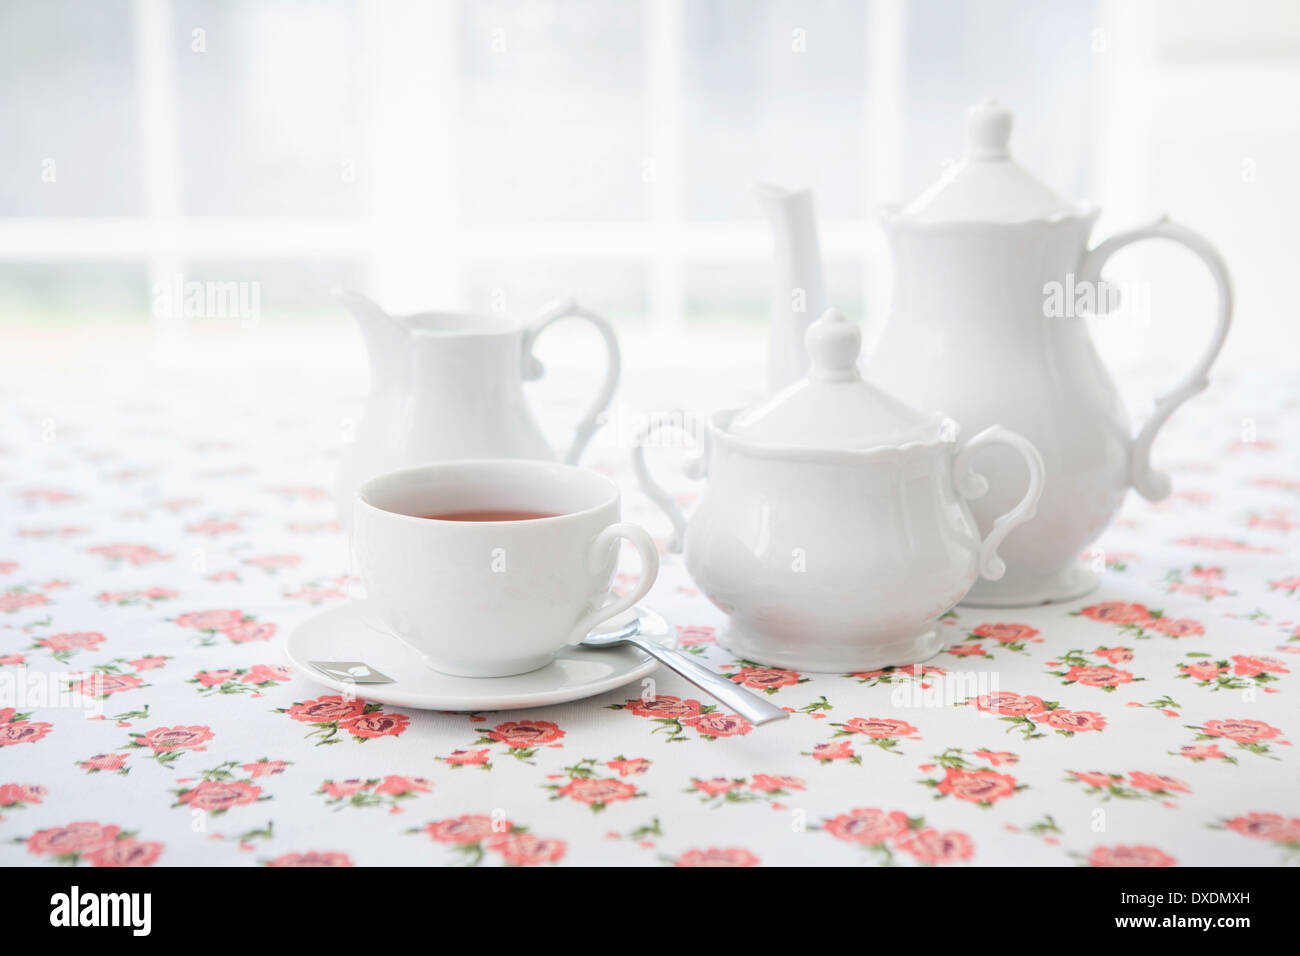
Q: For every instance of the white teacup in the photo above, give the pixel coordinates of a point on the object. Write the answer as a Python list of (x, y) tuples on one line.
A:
[(493, 598)]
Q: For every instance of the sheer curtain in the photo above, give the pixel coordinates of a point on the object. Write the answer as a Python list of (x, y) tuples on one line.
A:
[(492, 154)]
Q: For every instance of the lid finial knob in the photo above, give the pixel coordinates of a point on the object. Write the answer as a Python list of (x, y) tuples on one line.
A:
[(833, 344), (988, 130)]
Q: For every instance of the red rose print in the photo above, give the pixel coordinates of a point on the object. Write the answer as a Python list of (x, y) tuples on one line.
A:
[(22, 732), (1201, 752), (716, 786), (311, 859), (664, 707), (220, 795), (1250, 666), (163, 739), (879, 727), (325, 710), (629, 768), (1179, 628), (933, 847), (102, 685), (997, 757), (266, 674), (1093, 778), (767, 784), (976, 786), (1263, 826), (17, 600), (265, 768), (137, 554), (524, 849), (211, 620), (212, 526), (765, 677), (250, 631), (148, 663), (1242, 731), (344, 788), (1116, 655), (1009, 705), (720, 725), (104, 762), (1157, 782), (126, 852), (467, 829), (1006, 633), (316, 595), (840, 750), (523, 734), (85, 640), (467, 757), (15, 793), (1098, 676), (1074, 721), (1117, 612), (215, 678), (1202, 670), (714, 856), (868, 826), (73, 838), (1129, 856), (376, 725), (695, 636), (590, 790), (396, 786), (274, 561)]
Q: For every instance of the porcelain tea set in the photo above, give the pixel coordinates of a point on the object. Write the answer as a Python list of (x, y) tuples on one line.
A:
[(971, 458)]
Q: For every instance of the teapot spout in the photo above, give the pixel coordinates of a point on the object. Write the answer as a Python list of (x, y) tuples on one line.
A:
[(385, 337), (799, 291)]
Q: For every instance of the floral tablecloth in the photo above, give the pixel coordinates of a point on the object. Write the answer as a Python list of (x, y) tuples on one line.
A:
[(159, 540)]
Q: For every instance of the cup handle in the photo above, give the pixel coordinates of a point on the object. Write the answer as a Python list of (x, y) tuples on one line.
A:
[(970, 484), (1151, 484), (696, 467), (599, 552), (532, 368)]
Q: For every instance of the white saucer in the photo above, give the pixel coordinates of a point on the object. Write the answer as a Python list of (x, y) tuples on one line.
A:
[(345, 634)]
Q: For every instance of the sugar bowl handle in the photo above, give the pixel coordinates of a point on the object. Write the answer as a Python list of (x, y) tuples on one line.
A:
[(970, 484), (1152, 484), (532, 368), (696, 467)]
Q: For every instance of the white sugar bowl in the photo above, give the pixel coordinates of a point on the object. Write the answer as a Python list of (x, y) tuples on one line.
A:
[(834, 529)]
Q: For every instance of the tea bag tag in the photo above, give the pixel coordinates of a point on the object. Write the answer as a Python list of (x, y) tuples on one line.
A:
[(354, 672)]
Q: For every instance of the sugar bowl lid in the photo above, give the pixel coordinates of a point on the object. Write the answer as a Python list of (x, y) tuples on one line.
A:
[(833, 408), (987, 185)]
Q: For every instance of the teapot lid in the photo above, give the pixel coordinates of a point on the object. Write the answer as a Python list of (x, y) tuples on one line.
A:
[(833, 408), (987, 185)]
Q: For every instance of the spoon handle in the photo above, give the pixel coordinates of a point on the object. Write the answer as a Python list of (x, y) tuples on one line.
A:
[(740, 701)]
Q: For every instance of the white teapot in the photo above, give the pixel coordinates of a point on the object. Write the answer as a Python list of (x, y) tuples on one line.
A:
[(991, 268), (834, 528), (450, 385)]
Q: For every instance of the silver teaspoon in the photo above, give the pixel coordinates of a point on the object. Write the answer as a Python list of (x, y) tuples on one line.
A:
[(740, 701)]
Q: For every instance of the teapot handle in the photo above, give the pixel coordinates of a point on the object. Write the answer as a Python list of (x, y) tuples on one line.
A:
[(696, 467), (532, 368), (1151, 484), (971, 484)]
